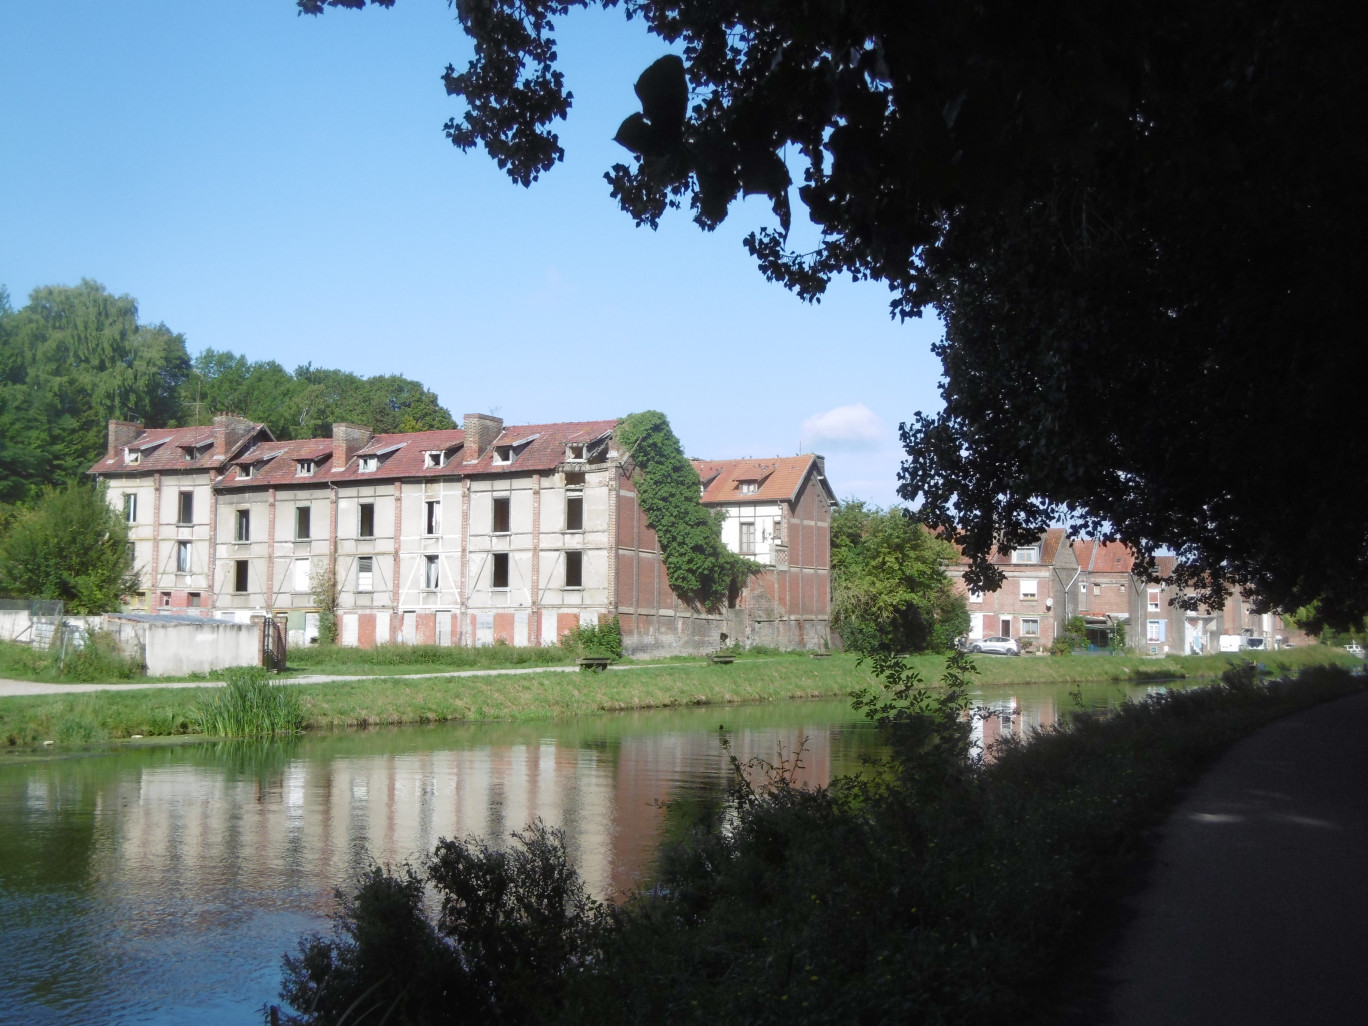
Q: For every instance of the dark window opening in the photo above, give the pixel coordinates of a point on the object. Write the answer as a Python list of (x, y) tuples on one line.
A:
[(185, 508), (366, 527), (244, 525), (302, 516), (164, 598), (501, 514), (239, 575), (500, 570), (194, 600), (574, 479), (574, 569), (574, 513)]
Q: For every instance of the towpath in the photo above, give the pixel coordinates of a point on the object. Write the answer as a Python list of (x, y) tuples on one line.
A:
[(9, 688), (1256, 910)]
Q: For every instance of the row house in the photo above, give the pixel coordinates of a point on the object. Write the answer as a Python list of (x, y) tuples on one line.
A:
[(481, 534), (1171, 628), (1032, 603)]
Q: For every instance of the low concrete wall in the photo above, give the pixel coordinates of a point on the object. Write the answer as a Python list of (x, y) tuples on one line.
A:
[(174, 647), (15, 625)]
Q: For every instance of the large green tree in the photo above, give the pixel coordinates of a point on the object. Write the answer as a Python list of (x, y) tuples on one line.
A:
[(890, 589), (71, 546), (1141, 224), (70, 360)]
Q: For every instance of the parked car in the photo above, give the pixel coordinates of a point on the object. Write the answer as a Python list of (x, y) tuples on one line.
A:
[(1354, 648), (996, 646)]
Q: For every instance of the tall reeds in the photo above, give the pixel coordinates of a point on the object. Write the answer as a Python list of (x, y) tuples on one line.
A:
[(249, 706)]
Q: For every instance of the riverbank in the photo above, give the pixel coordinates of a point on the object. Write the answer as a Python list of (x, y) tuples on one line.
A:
[(935, 889), (150, 711)]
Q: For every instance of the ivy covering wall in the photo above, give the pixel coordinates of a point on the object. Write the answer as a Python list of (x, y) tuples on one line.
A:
[(701, 569)]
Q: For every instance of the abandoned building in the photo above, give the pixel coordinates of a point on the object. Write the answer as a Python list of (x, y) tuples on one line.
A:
[(477, 535)]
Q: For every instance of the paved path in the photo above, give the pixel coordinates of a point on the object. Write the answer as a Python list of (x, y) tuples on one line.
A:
[(9, 688), (1256, 911)]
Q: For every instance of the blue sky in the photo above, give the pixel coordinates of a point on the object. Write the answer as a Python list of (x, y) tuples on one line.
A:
[(280, 187)]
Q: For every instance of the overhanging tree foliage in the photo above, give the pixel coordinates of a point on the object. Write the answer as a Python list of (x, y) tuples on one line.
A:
[(1140, 223)]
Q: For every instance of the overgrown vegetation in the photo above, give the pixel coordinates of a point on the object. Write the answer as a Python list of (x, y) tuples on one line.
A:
[(99, 659), (700, 568), (890, 591), (69, 545), (326, 591), (932, 887), (395, 658), (249, 706), (601, 639)]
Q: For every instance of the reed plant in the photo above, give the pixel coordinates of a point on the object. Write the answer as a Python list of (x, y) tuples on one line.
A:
[(249, 705)]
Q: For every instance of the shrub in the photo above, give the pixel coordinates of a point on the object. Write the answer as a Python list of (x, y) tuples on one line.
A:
[(601, 639)]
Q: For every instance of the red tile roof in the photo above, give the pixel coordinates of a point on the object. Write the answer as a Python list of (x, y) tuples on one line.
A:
[(777, 479), (1050, 541), (164, 449), (543, 445), (1104, 557)]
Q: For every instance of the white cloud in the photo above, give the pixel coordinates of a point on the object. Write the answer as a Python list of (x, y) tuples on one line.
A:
[(850, 427)]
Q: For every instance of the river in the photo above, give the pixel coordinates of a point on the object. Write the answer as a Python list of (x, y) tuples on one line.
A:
[(161, 883)]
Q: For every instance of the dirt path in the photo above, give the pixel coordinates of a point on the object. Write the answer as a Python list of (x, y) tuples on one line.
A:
[(1256, 911)]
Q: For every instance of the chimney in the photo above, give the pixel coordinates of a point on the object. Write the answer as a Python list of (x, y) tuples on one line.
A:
[(229, 433), (480, 431), (347, 440), (121, 433)]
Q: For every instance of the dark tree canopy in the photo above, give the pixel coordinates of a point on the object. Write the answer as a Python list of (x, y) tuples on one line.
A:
[(1140, 223)]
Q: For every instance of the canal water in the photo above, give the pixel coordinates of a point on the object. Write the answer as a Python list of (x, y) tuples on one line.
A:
[(161, 883)]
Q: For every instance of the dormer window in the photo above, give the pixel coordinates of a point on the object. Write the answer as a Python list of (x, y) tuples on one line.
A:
[(368, 464), (504, 454), (1031, 555), (245, 471), (748, 487), (304, 468), (576, 451), (132, 456), (432, 460)]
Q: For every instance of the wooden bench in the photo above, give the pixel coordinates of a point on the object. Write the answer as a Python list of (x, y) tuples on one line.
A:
[(721, 658), (821, 655), (594, 664)]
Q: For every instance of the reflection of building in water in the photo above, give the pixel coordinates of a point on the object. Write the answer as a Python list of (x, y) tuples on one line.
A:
[(318, 822), (1003, 718)]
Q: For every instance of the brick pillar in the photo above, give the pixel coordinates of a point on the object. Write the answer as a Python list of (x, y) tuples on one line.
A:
[(398, 547), (463, 582), (534, 616), (612, 544), (270, 547), (156, 538)]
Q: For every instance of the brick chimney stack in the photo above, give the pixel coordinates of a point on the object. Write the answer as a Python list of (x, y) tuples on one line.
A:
[(348, 439), (229, 433), (121, 433), (480, 431)]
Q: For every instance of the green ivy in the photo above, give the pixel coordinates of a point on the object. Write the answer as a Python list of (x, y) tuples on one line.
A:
[(701, 569)]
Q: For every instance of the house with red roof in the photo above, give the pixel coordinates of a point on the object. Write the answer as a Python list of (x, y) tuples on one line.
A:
[(476, 535), (1032, 603)]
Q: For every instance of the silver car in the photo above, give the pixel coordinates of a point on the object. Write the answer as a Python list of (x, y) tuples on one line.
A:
[(996, 646)]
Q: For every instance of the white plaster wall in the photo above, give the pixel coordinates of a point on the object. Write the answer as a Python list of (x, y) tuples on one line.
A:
[(172, 649), (764, 515)]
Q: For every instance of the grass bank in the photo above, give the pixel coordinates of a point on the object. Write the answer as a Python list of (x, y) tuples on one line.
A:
[(933, 889), (92, 717)]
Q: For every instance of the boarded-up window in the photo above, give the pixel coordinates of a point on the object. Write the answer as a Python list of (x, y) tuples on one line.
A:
[(185, 508), (244, 525), (303, 516), (366, 522), (500, 575), (501, 514), (574, 512), (301, 576), (1028, 588), (574, 569), (194, 599), (240, 574), (365, 573)]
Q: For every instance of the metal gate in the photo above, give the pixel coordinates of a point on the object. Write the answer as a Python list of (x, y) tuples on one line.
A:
[(272, 643)]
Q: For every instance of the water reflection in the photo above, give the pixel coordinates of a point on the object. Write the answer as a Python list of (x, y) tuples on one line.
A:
[(147, 883)]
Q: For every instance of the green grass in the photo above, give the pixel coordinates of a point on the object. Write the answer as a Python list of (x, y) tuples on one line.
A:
[(98, 661), (399, 659), (151, 712)]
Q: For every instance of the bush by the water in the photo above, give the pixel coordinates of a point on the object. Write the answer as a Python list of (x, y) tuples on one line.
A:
[(595, 639), (932, 887), (249, 705)]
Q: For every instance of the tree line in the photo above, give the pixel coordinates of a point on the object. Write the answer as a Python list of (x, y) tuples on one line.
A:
[(75, 357)]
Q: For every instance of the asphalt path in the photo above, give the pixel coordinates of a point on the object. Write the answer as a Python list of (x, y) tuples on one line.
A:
[(1256, 908)]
